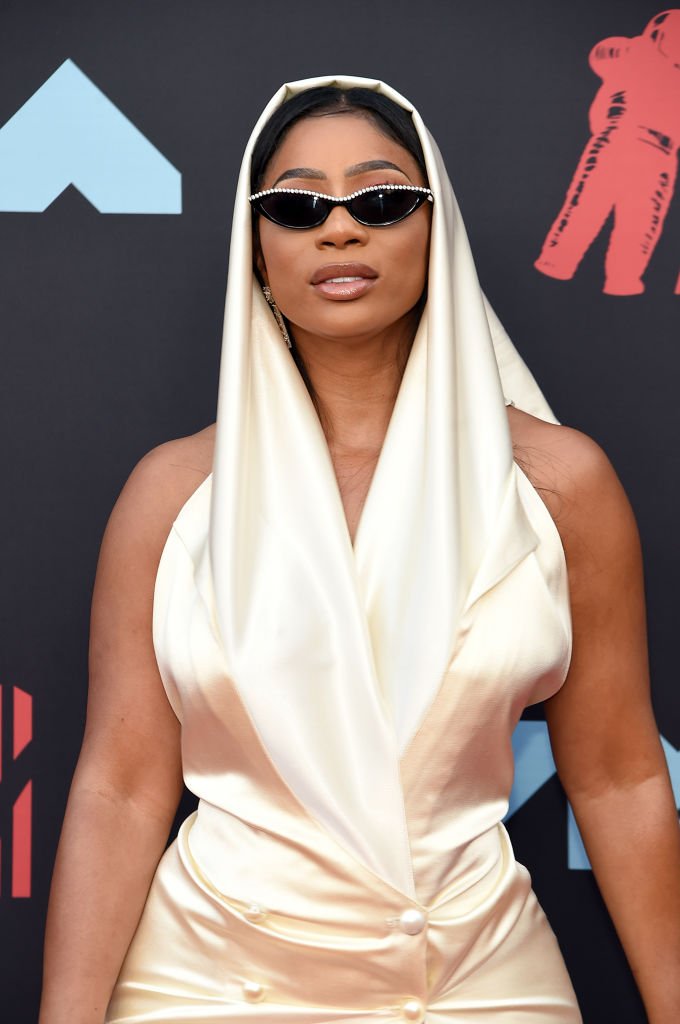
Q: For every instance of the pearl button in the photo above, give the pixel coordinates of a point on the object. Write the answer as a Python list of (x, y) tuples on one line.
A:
[(414, 1010), (253, 991), (412, 921), (255, 912)]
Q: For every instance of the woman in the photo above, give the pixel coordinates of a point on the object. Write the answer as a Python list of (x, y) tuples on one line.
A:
[(350, 611)]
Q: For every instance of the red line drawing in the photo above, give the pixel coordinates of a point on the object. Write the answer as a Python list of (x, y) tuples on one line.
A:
[(21, 842), (629, 164), (22, 809), (23, 720)]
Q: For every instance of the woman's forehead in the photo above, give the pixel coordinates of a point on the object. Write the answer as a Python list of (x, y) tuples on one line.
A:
[(335, 144)]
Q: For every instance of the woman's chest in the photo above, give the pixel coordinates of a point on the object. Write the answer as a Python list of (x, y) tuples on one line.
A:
[(353, 475)]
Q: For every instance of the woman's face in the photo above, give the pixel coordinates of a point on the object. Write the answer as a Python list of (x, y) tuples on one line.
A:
[(338, 154)]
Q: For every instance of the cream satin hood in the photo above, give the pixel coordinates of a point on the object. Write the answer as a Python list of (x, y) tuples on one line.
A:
[(338, 651)]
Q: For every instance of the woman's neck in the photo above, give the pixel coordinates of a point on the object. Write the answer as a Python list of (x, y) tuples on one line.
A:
[(356, 382)]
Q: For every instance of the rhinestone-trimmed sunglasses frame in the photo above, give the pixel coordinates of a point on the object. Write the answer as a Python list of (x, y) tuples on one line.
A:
[(342, 200)]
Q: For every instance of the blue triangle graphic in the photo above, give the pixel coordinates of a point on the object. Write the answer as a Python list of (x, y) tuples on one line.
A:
[(70, 133)]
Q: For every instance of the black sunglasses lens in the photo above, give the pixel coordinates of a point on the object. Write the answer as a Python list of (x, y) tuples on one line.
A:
[(293, 211), (388, 207)]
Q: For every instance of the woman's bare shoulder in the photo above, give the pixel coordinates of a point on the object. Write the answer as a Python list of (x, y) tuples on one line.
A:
[(578, 483), (552, 453), (174, 469), (159, 485)]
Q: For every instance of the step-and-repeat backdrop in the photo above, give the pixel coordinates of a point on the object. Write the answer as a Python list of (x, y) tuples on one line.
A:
[(121, 132)]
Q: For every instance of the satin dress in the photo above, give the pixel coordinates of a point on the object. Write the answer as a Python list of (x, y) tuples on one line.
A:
[(259, 913)]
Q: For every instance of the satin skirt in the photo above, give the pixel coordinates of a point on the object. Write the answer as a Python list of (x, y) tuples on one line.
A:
[(489, 955)]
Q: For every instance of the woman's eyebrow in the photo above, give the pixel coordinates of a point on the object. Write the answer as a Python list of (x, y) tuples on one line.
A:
[(299, 172), (367, 165), (374, 165)]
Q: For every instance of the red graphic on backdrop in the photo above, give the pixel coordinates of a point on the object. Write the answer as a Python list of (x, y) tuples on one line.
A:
[(21, 722), (630, 162)]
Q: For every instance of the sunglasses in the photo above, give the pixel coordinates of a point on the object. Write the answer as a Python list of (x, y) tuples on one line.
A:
[(377, 206)]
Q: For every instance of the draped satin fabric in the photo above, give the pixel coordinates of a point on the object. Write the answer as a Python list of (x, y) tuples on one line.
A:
[(347, 709)]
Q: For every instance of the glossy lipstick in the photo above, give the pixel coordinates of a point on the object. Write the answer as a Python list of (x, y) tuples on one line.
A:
[(344, 280)]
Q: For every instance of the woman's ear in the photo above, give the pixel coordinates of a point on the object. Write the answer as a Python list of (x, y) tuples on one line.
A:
[(258, 259)]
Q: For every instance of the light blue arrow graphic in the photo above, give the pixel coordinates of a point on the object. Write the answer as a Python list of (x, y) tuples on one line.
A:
[(70, 133), (534, 765), (673, 761), (577, 858)]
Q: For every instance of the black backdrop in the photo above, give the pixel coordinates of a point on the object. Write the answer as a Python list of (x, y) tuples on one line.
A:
[(111, 331)]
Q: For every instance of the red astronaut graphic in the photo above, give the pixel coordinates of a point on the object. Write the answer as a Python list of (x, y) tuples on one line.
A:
[(629, 164)]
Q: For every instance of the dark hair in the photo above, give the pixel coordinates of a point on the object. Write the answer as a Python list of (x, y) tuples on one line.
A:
[(389, 119)]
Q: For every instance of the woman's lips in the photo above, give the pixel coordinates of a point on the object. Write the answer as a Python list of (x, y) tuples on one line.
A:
[(345, 287), (344, 280)]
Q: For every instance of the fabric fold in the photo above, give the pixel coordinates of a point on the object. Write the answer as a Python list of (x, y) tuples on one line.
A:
[(337, 651)]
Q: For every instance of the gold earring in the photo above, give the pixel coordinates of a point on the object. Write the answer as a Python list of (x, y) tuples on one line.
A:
[(277, 313)]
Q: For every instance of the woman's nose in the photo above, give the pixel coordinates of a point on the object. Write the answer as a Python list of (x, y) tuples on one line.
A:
[(341, 229)]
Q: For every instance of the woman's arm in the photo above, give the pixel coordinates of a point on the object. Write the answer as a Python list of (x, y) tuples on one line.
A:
[(128, 781), (603, 732)]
